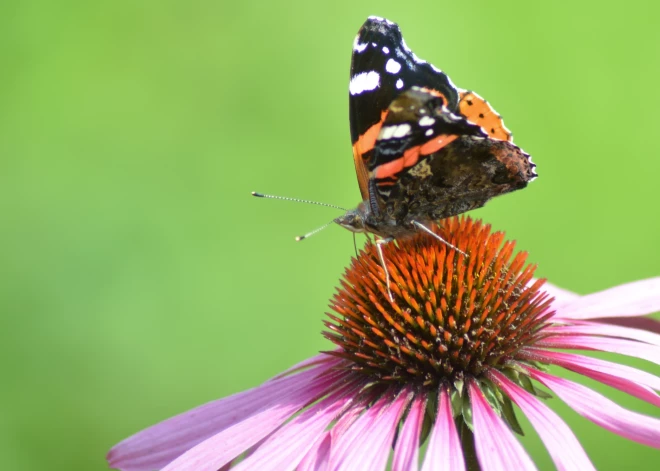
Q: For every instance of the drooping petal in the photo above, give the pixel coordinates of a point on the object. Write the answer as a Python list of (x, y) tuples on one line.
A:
[(285, 448), (406, 451), (585, 342), (497, 448), (638, 298), (605, 330), (625, 378), (318, 456), (602, 411), (366, 445), (564, 448), (232, 441), (444, 452), (155, 447)]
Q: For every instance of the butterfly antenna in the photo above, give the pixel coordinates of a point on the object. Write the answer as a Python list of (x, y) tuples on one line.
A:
[(297, 200), (310, 234)]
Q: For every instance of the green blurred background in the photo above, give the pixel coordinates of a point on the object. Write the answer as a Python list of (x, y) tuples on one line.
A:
[(139, 278)]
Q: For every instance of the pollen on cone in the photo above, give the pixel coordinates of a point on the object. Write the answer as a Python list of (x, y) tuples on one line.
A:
[(451, 315)]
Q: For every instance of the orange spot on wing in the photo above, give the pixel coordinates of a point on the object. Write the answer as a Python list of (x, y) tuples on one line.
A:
[(479, 112)]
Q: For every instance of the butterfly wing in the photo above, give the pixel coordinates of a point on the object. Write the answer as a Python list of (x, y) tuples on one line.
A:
[(382, 67), (417, 124)]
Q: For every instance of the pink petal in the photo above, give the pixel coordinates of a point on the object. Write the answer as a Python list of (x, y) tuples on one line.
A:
[(444, 452), (158, 445), (638, 298), (497, 448), (602, 411), (366, 445), (561, 295), (564, 448), (630, 380), (596, 328), (406, 451), (624, 347), (285, 448), (232, 441), (318, 457), (642, 323)]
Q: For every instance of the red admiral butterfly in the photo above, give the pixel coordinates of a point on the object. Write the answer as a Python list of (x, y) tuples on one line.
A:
[(423, 149)]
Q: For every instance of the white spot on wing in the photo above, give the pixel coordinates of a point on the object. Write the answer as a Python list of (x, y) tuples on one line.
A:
[(426, 121), (392, 66), (399, 84), (402, 130), (429, 132), (386, 50), (394, 132), (386, 132), (357, 46), (364, 82)]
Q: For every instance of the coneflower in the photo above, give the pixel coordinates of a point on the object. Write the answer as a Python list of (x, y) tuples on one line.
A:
[(464, 338)]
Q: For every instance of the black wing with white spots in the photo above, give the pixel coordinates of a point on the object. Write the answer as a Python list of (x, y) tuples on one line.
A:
[(382, 66)]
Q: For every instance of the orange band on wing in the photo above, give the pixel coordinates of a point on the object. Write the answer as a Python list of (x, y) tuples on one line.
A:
[(391, 169), (364, 144), (411, 156), (437, 143)]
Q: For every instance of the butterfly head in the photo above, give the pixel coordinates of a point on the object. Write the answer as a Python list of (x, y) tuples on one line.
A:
[(353, 219)]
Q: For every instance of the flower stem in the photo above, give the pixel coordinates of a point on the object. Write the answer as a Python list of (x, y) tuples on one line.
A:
[(469, 451)]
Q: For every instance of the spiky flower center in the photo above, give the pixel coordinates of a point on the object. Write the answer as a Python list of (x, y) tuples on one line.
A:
[(451, 315)]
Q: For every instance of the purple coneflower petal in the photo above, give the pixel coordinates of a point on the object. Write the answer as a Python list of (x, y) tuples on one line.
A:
[(497, 448), (232, 441), (602, 411), (406, 451), (564, 448), (638, 298), (594, 328), (285, 448), (630, 380), (155, 447), (318, 457), (366, 444), (585, 342), (642, 323), (561, 295), (444, 452)]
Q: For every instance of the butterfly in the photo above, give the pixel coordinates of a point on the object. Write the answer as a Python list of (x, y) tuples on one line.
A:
[(423, 149)]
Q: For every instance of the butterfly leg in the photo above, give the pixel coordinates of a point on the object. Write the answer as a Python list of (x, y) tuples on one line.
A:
[(424, 228), (379, 247)]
